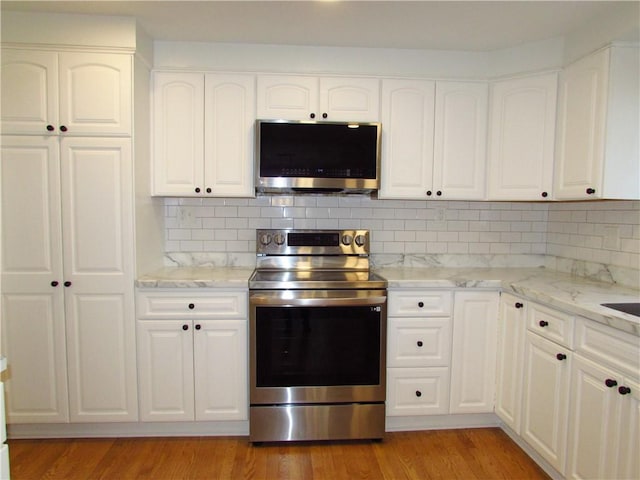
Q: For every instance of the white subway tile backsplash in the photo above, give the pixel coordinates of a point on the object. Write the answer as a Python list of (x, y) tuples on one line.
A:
[(565, 230)]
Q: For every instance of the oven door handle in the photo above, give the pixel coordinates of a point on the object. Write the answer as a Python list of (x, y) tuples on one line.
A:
[(273, 300)]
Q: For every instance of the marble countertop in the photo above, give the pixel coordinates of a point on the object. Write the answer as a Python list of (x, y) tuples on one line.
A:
[(196, 277), (572, 294)]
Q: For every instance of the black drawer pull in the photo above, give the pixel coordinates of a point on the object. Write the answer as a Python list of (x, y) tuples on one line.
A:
[(420, 304), (561, 356), (609, 382), (419, 343), (543, 323), (191, 306), (519, 305), (418, 393)]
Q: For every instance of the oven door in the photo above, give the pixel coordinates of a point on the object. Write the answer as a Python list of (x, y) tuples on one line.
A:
[(317, 346)]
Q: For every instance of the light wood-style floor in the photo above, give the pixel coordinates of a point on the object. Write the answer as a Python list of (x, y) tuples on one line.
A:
[(485, 453)]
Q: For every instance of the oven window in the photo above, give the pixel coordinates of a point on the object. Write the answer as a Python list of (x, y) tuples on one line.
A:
[(317, 346)]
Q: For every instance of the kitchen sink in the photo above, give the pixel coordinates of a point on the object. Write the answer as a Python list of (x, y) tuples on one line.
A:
[(632, 308)]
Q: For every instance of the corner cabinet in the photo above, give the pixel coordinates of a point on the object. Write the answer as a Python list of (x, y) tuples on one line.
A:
[(297, 97), (433, 140), (72, 93), (597, 149), (192, 355), (521, 138), (203, 134)]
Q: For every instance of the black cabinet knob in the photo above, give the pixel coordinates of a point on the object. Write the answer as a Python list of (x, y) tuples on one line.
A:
[(54, 283), (419, 343), (208, 190), (545, 194), (624, 390), (429, 193), (519, 305), (591, 191), (418, 393), (420, 304), (191, 306), (50, 128), (324, 115), (198, 326), (543, 323), (312, 115), (439, 193), (63, 128), (197, 189), (185, 327), (609, 382), (67, 283), (561, 356)]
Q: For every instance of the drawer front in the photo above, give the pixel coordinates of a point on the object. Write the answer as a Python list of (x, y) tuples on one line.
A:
[(418, 342), (604, 344), (419, 303), (417, 391), (551, 324), (192, 305)]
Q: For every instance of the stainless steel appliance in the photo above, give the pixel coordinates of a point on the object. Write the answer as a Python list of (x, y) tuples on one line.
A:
[(318, 325), (310, 157)]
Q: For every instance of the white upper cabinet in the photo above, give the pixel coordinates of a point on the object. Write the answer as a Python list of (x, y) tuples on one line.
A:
[(203, 134), (598, 148), (407, 138), (69, 93), (460, 140), (521, 139), (292, 97), (433, 139)]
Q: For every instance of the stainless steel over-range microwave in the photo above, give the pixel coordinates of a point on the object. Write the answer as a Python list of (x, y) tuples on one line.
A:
[(309, 157)]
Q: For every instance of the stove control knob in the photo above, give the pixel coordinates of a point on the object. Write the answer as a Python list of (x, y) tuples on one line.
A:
[(347, 239), (278, 238), (361, 240), (265, 239)]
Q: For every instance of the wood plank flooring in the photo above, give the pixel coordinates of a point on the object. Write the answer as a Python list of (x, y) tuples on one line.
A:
[(484, 453)]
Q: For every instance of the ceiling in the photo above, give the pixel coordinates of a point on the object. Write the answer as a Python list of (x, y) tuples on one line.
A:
[(433, 25)]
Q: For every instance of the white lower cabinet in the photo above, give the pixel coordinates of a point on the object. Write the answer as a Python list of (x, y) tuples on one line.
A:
[(441, 352), (546, 398), (473, 359), (194, 367), (604, 438), (512, 324)]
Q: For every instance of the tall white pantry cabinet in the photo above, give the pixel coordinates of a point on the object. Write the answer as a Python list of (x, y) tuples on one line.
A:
[(68, 236)]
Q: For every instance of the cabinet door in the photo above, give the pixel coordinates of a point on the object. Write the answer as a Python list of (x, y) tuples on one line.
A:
[(97, 214), (627, 462), (95, 93), (522, 134), (165, 370), (229, 125), (593, 430), (546, 398), (178, 134), (29, 92), (581, 127), (512, 322), (350, 99), (407, 138), (287, 97), (220, 359), (460, 140), (32, 303), (473, 359), (417, 391)]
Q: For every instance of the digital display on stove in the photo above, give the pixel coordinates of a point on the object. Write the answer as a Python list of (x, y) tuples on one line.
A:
[(316, 239)]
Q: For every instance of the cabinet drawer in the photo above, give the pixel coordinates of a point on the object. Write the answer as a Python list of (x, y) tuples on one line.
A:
[(552, 324), (418, 342), (419, 303), (417, 391), (189, 305), (602, 343)]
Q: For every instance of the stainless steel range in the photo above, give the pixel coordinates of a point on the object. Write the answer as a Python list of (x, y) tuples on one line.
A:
[(318, 325)]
